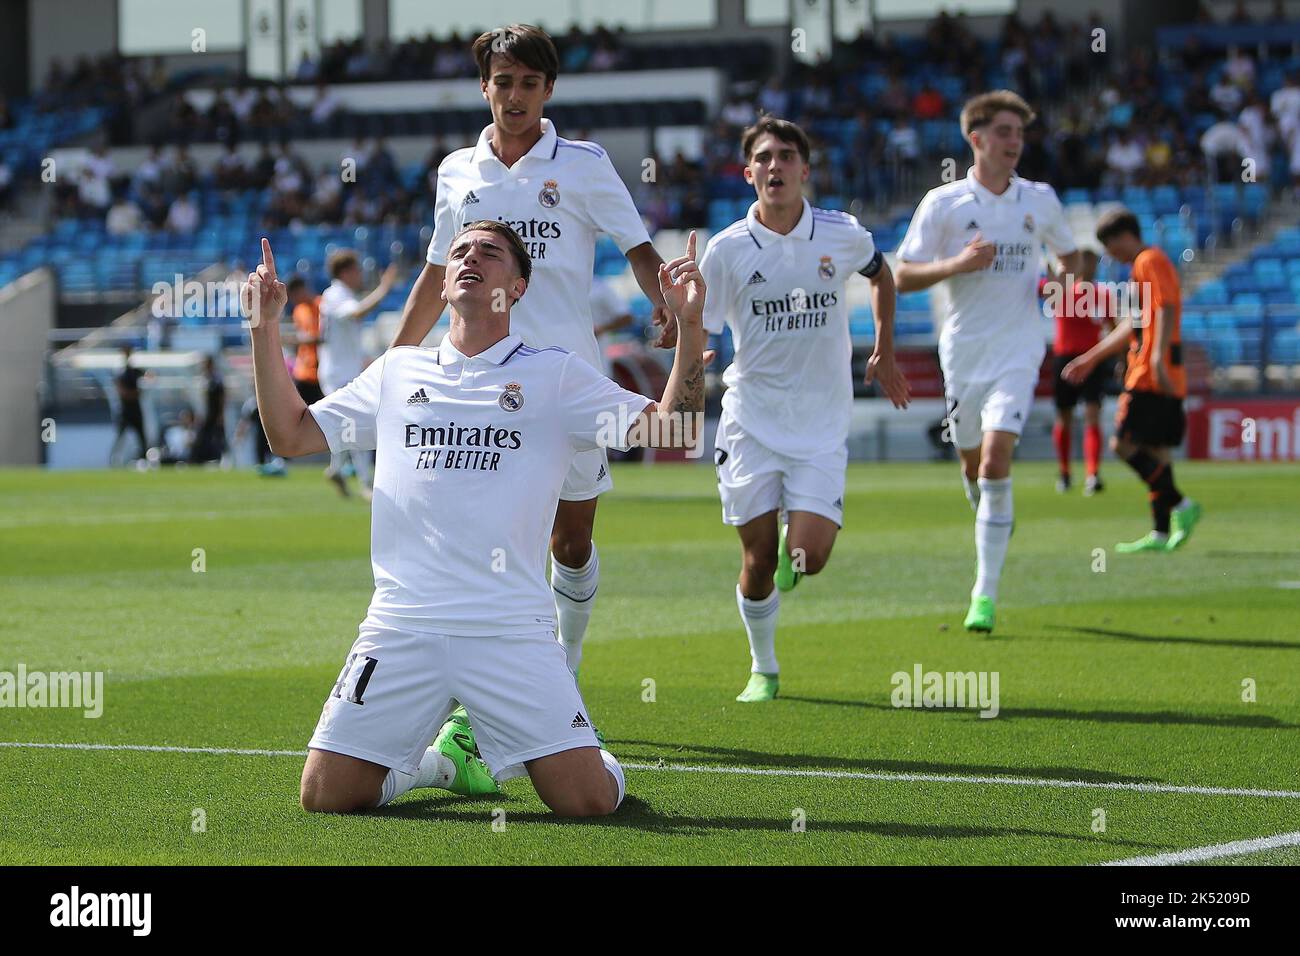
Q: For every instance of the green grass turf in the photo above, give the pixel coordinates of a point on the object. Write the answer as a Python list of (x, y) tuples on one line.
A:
[(1133, 674)]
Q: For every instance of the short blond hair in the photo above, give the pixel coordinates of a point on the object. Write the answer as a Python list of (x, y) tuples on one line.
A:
[(980, 110)]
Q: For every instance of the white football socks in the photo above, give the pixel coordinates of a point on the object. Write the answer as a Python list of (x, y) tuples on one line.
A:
[(993, 519), (436, 770), (575, 593), (759, 618), (972, 491)]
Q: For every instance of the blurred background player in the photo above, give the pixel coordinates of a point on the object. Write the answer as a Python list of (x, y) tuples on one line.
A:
[(609, 314), (304, 307), (210, 439), (130, 415), (1149, 423), (559, 194), (342, 307), (1084, 312), (984, 236), (777, 278)]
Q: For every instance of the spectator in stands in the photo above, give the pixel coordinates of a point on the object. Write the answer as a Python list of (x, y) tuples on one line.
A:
[(231, 172), (738, 112), (1125, 159), (1285, 105), (1222, 146), (1257, 135), (183, 215), (902, 152), (577, 50), (928, 103), (223, 122), (307, 69), (179, 174), (1239, 69), (6, 185), (149, 172), (775, 98), (606, 56), (1226, 95), (153, 204), (1159, 156), (124, 217), (326, 104), (210, 441), (93, 189)]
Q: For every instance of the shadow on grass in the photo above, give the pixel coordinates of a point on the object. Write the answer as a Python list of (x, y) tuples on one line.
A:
[(1170, 639), (736, 757), (1255, 721), (637, 814)]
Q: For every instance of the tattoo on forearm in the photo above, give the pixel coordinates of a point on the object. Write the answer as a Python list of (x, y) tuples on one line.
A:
[(691, 397)]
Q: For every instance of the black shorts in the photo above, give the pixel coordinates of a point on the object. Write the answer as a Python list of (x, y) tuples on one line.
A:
[(310, 391), (1146, 418), (1067, 395)]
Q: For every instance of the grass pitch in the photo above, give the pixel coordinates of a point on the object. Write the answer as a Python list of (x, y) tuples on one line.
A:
[(1117, 686)]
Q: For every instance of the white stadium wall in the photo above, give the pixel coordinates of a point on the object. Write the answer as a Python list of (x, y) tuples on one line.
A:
[(26, 316)]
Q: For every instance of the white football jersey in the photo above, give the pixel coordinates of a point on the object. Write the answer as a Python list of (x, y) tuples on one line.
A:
[(994, 320), (340, 347), (790, 384), (470, 456), (559, 197)]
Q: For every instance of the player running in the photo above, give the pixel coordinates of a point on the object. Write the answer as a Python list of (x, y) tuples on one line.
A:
[(984, 237), (474, 440), (777, 278), (1149, 423), (558, 194), (342, 309), (1084, 312)]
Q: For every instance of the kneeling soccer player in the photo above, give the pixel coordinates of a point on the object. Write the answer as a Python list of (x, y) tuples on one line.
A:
[(473, 442), (778, 278), (1150, 422)]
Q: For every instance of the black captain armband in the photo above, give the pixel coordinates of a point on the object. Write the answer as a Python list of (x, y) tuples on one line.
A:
[(871, 269)]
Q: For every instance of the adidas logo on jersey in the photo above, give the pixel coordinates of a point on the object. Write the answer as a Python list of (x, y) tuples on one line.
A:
[(419, 398), (469, 199), (601, 474), (972, 224), (756, 278), (579, 721)]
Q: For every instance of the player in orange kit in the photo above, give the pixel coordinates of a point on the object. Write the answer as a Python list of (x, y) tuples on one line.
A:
[(1150, 423)]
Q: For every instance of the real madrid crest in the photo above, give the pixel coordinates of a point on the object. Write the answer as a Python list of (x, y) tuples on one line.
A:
[(512, 399), (1029, 223), (827, 268), (550, 194)]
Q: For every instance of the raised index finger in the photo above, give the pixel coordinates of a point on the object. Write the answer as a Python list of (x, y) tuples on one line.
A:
[(268, 257), (690, 245)]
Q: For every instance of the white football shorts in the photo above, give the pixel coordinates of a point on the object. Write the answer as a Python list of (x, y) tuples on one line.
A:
[(753, 479), (397, 687), (588, 476), (1001, 405)]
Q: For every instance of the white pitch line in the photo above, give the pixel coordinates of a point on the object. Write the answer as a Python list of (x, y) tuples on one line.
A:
[(241, 752), (1218, 850), (757, 772)]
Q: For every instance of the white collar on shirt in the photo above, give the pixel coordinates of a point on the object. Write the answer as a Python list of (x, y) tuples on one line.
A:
[(984, 194), (803, 229), (544, 148), (496, 354)]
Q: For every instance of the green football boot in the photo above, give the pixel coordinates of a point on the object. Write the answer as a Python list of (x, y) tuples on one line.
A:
[(1151, 541), (1183, 521), (786, 576), (456, 742), (980, 616), (760, 687)]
